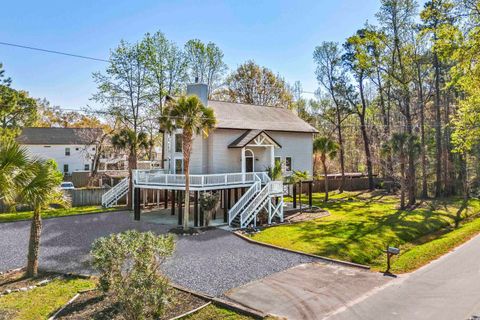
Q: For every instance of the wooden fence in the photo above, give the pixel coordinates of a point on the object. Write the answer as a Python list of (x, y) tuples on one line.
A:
[(86, 197), (351, 184)]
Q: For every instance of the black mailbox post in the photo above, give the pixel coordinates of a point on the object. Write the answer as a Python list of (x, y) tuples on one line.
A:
[(391, 251)]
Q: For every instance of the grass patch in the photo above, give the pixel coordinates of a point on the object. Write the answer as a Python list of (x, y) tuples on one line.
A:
[(53, 213), (41, 302), (361, 225), (212, 312)]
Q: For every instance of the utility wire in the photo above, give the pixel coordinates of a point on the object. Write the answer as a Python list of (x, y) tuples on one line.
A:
[(52, 51)]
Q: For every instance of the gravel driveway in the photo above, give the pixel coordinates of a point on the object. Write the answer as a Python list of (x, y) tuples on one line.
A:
[(212, 262)]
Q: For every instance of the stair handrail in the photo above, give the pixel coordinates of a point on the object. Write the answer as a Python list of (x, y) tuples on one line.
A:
[(257, 201), (251, 192), (110, 194)]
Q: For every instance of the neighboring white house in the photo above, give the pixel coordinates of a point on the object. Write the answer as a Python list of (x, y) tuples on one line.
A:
[(232, 161), (72, 148)]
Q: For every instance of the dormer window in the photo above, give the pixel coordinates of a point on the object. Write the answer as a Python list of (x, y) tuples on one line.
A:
[(67, 151)]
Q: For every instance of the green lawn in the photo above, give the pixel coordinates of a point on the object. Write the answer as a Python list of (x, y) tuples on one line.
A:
[(41, 302), (361, 225), (53, 213)]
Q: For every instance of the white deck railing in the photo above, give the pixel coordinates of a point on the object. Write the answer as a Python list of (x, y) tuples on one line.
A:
[(160, 178)]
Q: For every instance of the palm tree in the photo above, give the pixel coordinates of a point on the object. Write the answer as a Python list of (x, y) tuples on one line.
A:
[(327, 148), (275, 172), (132, 142), (299, 177), (193, 118), (39, 191), (13, 162)]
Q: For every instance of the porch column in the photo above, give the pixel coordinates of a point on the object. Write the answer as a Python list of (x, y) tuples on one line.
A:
[(180, 203), (244, 167), (310, 194), (272, 156), (294, 195), (227, 205), (136, 204), (165, 195), (173, 202), (195, 209)]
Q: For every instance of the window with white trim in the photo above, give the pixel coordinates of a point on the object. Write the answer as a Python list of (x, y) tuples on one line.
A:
[(288, 164), (178, 142)]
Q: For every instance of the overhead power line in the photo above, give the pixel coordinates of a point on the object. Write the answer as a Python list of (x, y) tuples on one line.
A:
[(52, 51)]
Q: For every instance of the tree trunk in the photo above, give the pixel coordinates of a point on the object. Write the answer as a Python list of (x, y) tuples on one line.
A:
[(366, 143), (34, 243), (438, 130), (187, 148), (422, 133), (342, 153), (403, 182)]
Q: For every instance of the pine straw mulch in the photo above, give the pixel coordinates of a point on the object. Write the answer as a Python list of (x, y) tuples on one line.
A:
[(95, 305)]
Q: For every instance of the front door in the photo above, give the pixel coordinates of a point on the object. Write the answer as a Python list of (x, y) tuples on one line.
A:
[(249, 164)]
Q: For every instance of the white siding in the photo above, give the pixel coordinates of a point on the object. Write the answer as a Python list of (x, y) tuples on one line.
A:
[(212, 155), (297, 145), (76, 161), (222, 159)]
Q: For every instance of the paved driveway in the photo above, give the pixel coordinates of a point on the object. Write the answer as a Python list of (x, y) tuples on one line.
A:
[(212, 262), (308, 291)]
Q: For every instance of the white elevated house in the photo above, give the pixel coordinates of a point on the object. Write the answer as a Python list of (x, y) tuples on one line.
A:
[(233, 160), (71, 148)]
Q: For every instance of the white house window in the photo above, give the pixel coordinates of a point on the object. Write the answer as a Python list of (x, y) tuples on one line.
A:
[(178, 166), (87, 167), (178, 142), (288, 164), (278, 159), (65, 168), (67, 151)]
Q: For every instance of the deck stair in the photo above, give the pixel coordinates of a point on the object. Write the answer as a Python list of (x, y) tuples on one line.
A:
[(259, 196), (112, 196)]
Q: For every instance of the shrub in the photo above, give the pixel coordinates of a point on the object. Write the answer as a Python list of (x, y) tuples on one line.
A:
[(208, 203), (129, 266)]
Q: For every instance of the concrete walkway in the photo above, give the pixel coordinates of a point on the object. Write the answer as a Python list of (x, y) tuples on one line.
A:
[(212, 262), (308, 291), (448, 288)]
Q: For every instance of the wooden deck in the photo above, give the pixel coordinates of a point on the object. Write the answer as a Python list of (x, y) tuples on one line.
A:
[(158, 179)]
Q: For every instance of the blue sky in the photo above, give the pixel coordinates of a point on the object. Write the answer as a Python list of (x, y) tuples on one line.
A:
[(280, 35)]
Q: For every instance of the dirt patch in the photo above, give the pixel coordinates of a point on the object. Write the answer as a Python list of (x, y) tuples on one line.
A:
[(306, 215), (95, 305), (16, 280)]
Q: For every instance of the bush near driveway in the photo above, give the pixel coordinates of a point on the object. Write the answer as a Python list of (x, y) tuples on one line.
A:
[(129, 266), (361, 225)]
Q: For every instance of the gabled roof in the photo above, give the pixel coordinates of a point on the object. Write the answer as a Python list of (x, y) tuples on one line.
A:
[(247, 116), (52, 136), (248, 136)]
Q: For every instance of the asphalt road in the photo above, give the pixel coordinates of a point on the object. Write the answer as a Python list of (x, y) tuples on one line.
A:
[(212, 262), (448, 288)]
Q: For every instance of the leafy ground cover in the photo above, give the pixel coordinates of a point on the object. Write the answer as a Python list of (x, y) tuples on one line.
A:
[(361, 225), (54, 213)]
